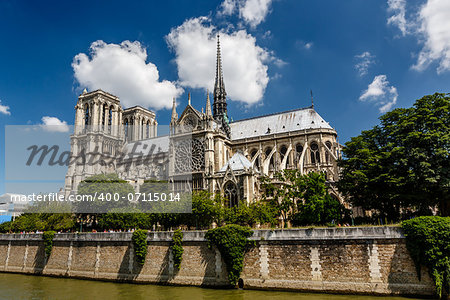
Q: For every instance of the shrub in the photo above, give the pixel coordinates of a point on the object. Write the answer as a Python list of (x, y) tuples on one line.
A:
[(140, 245), (428, 241), (48, 236), (232, 242), (177, 248)]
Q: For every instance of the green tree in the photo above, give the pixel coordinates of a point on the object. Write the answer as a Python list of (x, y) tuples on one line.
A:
[(303, 199), (316, 205), (428, 242), (129, 219), (281, 192), (106, 188), (403, 164)]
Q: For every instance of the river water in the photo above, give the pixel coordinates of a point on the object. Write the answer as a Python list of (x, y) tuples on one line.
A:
[(16, 286)]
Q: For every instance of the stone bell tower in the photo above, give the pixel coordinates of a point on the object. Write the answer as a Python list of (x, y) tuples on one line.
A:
[(97, 138)]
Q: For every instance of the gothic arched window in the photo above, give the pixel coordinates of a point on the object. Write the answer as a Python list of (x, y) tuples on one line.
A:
[(189, 156), (327, 154), (104, 111), (126, 128), (110, 118), (253, 153), (283, 151), (230, 192), (315, 155), (267, 152), (86, 114)]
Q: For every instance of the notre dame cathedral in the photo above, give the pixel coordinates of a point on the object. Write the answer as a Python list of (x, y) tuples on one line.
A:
[(221, 156)]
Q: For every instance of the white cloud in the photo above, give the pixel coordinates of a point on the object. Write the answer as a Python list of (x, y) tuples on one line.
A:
[(253, 12), (277, 61), (244, 63), (434, 18), (303, 45), (431, 25), (121, 69), (381, 93), (308, 45), (54, 124), (4, 109), (398, 10), (267, 35), (364, 59), (227, 7)]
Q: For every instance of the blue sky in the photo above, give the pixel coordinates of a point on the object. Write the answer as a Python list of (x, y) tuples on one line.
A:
[(288, 47)]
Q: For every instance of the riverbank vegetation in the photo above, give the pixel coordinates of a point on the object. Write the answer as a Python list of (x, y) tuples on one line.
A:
[(304, 200), (428, 242), (232, 242), (139, 239), (177, 248), (48, 236), (401, 168)]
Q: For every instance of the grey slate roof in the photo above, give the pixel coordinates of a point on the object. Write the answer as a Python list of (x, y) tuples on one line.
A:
[(237, 162), (298, 119)]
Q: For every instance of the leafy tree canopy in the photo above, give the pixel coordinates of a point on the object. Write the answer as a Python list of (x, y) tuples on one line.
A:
[(403, 164)]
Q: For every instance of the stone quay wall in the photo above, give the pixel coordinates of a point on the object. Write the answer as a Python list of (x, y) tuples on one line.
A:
[(362, 260)]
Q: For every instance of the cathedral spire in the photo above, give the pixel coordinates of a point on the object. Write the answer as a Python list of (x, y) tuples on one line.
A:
[(220, 96), (174, 111), (208, 106)]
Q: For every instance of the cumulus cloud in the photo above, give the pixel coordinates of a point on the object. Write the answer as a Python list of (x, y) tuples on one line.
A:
[(244, 63), (122, 70), (4, 109), (364, 60), (228, 7), (434, 18), (398, 10), (381, 93), (253, 12), (431, 25), (54, 124)]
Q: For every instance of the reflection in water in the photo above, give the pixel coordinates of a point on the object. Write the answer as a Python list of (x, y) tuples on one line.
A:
[(15, 286)]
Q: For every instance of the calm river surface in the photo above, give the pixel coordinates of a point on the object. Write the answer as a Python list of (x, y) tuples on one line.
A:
[(15, 286)]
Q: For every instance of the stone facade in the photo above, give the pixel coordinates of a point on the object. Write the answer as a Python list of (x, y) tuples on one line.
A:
[(366, 260)]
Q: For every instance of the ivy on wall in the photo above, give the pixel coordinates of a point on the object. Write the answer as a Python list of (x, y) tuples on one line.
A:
[(232, 242), (177, 248), (48, 236), (139, 239), (428, 241)]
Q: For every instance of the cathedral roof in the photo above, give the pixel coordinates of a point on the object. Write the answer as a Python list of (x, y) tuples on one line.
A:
[(293, 120), (156, 145), (237, 162)]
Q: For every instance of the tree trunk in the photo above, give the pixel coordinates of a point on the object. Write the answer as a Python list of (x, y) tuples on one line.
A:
[(444, 208)]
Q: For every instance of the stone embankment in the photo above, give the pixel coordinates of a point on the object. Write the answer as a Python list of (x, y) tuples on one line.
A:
[(365, 260)]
